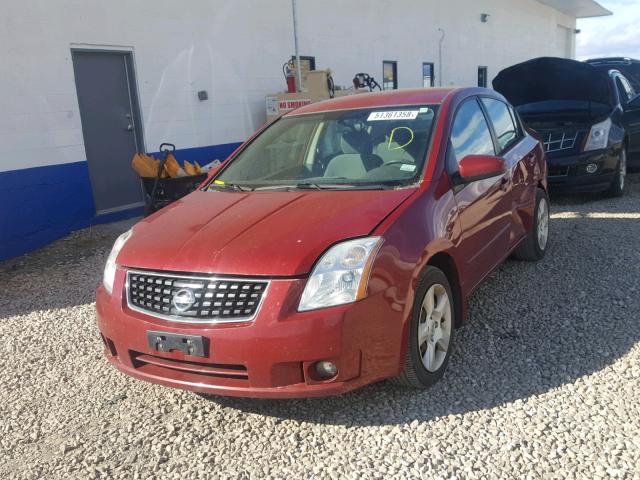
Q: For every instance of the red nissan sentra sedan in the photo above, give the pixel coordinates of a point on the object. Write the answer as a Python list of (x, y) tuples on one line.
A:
[(335, 248)]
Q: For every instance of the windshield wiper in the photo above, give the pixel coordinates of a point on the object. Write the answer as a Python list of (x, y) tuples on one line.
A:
[(320, 186), (343, 186), (297, 186), (314, 186), (346, 186), (234, 186)]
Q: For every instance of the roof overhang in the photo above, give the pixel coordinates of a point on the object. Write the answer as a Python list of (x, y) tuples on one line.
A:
[(578, 8)]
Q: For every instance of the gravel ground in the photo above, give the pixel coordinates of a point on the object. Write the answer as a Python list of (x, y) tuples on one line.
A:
[(544, 382)]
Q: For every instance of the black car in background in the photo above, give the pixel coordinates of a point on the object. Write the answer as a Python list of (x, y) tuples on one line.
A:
[(587, 117), (629, 67)]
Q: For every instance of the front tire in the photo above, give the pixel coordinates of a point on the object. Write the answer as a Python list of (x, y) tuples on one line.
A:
[(534, 246), (431, 332), (617, 186)]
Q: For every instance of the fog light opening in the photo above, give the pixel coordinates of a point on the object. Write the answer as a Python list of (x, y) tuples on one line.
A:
[(326, 370), (592, 168)]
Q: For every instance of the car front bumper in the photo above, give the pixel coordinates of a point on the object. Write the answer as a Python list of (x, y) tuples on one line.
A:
[(569, 173), (273, 356)]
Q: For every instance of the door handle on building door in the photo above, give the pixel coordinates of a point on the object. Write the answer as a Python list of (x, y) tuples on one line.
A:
[(129, 127)]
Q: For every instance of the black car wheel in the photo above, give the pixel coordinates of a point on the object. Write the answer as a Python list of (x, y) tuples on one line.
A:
[(617, 186), (431, 332), (534, 245)]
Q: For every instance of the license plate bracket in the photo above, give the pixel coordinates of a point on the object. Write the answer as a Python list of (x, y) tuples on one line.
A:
[(188, 344)]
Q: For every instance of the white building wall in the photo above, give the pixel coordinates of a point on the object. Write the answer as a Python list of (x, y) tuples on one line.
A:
[(224, 47), (407, 31), (234, 49)]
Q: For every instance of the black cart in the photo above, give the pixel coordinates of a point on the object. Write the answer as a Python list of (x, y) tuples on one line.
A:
[(160, 192)]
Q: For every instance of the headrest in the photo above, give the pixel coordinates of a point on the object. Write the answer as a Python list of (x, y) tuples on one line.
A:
[(356, 141)]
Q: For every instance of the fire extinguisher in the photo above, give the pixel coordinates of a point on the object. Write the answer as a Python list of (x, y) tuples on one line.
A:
[(289, 71)]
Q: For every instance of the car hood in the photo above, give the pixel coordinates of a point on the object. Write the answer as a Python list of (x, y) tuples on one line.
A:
[(546, 78), (254, 233)]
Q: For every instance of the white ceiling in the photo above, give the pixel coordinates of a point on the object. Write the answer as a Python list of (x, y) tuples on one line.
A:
[(578, 8)]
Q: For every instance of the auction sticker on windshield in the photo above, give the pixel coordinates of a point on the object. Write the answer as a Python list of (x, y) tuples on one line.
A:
[(393, 115)]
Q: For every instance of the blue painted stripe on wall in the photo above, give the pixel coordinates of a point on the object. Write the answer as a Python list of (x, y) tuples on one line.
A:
[(42, 204)]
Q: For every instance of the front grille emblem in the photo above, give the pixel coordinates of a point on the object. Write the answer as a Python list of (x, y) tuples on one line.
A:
[(183, 300)]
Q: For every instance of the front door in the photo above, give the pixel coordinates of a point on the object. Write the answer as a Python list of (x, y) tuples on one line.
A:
[(632, 121), (630, 102), (484, 206), (110, 127)]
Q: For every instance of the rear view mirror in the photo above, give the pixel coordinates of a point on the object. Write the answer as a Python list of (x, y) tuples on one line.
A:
[(478, 167)]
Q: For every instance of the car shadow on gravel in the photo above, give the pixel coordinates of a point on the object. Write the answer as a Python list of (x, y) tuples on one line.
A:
[(26, 283), (532, 328)]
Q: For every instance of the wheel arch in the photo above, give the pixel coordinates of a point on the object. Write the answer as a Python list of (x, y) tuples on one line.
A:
[(445, 262), (542, 186)]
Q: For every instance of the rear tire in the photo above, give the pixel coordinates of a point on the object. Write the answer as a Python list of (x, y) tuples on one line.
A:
[(534, 246), (617, 186), (431, 332)]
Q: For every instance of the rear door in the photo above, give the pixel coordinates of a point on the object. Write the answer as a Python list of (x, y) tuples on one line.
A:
[(484, 206), (520, 158)]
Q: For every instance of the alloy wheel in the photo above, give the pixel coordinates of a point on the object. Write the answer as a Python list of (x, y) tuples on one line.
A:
[(434, 327), (622, 168), (543, 223)]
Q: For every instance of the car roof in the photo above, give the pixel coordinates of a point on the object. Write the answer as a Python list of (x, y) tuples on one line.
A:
[(612, 61), (387, 98)]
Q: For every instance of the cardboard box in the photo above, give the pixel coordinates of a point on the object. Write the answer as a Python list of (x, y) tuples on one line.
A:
[(315, 82), (349, 91)]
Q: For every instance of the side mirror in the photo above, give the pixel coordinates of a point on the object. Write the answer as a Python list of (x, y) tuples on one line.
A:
[(479, 167)]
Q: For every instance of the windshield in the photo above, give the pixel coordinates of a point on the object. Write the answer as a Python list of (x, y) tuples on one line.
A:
[(368, 148)]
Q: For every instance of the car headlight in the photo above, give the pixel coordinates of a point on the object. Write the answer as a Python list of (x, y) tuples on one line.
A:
[(110, 268), (598, 136), (341, 275)]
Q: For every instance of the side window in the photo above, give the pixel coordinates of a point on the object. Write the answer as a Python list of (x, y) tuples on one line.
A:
[(470, 134), (517, 122), (622, 92), (505, 128), (628, 88)]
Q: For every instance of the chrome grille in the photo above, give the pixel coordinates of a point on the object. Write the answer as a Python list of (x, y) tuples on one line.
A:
[(214, 299), (557, 141)]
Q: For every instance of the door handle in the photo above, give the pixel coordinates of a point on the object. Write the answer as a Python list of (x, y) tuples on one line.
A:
[(129, 128)]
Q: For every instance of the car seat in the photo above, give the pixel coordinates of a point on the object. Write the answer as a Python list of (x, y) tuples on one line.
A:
[(357, 156)]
